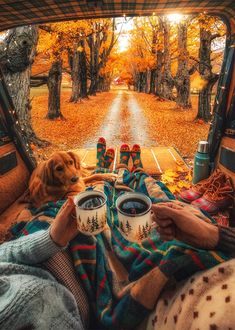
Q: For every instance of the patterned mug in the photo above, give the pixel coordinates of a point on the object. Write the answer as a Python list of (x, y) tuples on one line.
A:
[(134, 215), (91, 212)]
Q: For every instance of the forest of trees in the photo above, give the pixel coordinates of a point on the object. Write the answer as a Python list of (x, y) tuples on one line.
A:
[(164, 55), (82, 49), (161, 58)]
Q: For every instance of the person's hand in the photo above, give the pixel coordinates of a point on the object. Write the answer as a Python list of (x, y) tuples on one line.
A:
[(176, 222), (64, 227)]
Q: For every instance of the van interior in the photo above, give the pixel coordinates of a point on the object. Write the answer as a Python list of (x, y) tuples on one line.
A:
[(16, 157)]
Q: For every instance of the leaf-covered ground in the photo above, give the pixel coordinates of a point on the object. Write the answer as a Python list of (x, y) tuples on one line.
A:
[(164, 123), (173, 127), (82, 120)]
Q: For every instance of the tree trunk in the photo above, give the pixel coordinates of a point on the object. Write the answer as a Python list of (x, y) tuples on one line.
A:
[(91, 44), (182, 79), (204, 101), (152, 81), (205, 70), (136, 81), (75, 95), (167, 80), (158, 89), (148, 78), (104, 83), (142, 81), (94, 62), (83, 71), (54, 87), (17, 55)]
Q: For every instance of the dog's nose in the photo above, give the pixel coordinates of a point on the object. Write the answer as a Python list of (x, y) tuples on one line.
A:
[(74, 179)]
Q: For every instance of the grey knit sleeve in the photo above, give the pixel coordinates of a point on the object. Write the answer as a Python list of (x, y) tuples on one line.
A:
[(31, 249), (226, 241)]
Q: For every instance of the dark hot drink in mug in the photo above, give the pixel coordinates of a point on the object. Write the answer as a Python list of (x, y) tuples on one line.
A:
[(133, 206), (91, 211), (134, 216), (91, 202)]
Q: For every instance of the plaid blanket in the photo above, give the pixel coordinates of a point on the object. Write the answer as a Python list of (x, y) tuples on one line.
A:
[(91, 253)]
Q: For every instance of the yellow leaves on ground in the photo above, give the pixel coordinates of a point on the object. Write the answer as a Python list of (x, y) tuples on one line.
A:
[(177, 180), (169, 126), (82, 120)]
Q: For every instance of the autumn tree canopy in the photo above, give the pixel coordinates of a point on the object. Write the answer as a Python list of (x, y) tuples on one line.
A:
[(164, 57)]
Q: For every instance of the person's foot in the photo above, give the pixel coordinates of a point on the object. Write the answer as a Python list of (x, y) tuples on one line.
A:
[(217, 197), (109, 157), (101, 147), (124, 154), (198, 189), (135, 155)]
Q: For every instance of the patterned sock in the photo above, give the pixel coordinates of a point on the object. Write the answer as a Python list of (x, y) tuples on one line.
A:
[(101, 147), (124, 154), (109, 157), (135, 154)]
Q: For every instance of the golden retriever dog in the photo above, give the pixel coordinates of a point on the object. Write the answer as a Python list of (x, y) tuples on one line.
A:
[(59, 176)]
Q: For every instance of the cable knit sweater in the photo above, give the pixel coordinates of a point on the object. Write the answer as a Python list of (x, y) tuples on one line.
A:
[(30, 297)]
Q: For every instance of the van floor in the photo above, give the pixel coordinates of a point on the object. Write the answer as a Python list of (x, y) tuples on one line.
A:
[(156, 160)]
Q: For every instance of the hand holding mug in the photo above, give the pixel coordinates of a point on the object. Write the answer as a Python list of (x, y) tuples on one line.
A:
[(64, 228), (177, 222)]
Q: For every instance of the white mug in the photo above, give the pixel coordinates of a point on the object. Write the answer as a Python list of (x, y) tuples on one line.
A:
[(91, 211), (134, 227)]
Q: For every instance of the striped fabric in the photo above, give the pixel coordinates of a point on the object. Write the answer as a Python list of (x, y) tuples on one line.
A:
[(211, 206), (92, 261), (61, 267), (14, 13), (189, 195)]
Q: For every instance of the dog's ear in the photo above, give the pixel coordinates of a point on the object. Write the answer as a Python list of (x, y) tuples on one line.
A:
[(76, 159), (47, 172)]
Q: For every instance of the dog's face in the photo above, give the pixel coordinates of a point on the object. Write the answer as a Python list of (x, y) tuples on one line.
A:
[(62, 169)]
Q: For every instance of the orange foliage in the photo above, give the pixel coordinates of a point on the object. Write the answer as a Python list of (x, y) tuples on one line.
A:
[(168, 126), (56, 39), (82, 121), (141, 54)]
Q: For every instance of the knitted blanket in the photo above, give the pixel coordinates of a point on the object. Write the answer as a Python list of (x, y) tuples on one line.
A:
[(94, 256)]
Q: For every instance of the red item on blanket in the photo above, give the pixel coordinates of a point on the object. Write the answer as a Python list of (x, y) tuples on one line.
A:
[(222, 218)]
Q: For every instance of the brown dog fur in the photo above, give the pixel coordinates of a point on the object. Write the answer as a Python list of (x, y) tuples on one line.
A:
[(54, 178)]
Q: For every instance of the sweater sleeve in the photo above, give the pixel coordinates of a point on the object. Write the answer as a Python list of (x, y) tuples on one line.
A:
[(226, 241), (31, 249)]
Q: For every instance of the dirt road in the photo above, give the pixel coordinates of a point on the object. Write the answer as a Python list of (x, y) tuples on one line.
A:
[(121, 116), (124, 123)]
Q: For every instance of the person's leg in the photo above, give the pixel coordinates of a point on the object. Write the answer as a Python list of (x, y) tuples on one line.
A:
[(124, 157), (135, 155), (101, 147), (147, 289), (124, 154), (109, 157), (137, 300)]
